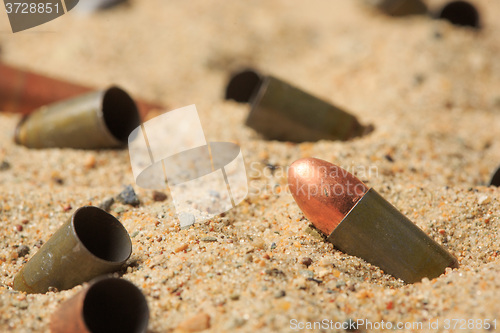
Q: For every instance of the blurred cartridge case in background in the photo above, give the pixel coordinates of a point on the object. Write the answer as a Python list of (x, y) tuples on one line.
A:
[(24, 91), (280, 111), (90, 244), (460, 13), (399, 7), (106, 305), (101, 119)]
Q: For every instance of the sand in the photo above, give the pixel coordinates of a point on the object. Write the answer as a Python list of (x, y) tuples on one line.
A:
[(431, 91)]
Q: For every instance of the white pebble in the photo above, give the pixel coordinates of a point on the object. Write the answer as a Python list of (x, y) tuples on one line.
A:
[(484, 199)]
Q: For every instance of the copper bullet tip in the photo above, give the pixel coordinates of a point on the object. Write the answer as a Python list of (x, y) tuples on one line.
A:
[(324, 192)]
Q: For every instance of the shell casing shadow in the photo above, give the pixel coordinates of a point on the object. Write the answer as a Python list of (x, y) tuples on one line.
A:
[(106, 305), (93, 242), (377, 232), (280, 111), (101, 119)]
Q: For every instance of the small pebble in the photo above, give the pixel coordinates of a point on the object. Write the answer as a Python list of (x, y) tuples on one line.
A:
[(197, 323), (209, 239), (280, 294), (23, 251), (18, 227), (89, 162), (307, 273), (59, 181), (183, 247), (306, 261), (484, 199), (159, 196), (273, 246), (119, 209), (25, 221), (274, 272), (106, 204), (13, 255), (52, 289), (128, 196), (4, 165), (186, 220)]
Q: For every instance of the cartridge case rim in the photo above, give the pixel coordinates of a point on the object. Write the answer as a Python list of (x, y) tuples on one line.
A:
[(466, 5), (118, 224), (243, 85)]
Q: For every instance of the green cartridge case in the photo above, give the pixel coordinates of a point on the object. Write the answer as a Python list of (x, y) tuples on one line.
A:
[(280, 111), (377, 232), (101, 119), (90, 244)]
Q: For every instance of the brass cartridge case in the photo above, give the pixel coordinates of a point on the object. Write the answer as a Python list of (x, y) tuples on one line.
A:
[(283, 112), (90, 244), (377, 232), (106, 305), (101, 119), (23, 91)]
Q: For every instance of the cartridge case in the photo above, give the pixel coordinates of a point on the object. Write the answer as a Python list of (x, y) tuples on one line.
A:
[(461, 13), (280, 111), (377, 232), (359, 222), (399, 7), (91, 243), (23, 91), (106, 305), (102, 119)]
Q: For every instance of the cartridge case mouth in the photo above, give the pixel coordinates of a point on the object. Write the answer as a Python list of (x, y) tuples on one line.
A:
[(460, 13), (119, 299), (495, 179), (243, 86), (102, 234), (19, 133), (107, 305), (120, 113)]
